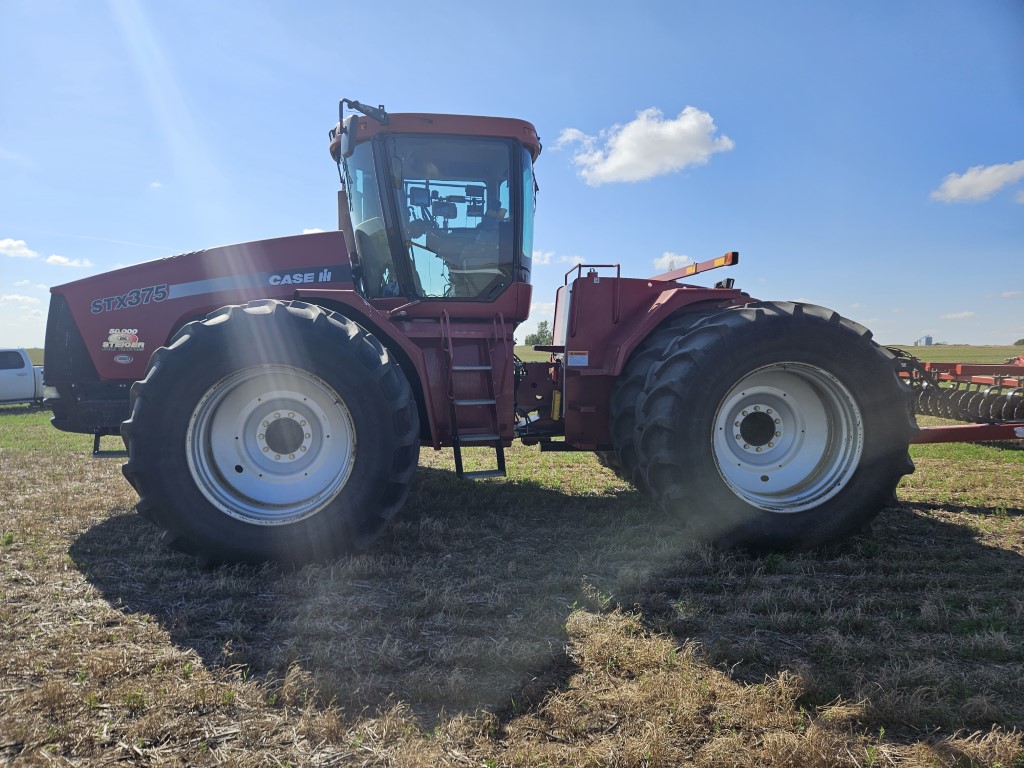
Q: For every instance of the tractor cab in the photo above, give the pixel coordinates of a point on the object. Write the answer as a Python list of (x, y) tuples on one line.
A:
[(436, 207)]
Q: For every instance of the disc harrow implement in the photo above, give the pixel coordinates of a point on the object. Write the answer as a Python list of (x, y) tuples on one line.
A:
[(977, 394)]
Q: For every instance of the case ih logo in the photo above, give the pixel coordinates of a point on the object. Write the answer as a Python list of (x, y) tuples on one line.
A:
[(294, 278), (227, 284)]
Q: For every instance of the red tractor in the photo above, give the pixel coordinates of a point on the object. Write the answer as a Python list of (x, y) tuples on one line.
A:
[(273, 396)]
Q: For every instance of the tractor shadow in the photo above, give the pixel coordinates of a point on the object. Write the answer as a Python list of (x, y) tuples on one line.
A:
[(462, 605)]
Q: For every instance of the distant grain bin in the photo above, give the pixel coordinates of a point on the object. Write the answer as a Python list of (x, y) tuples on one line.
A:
[(924, 341)]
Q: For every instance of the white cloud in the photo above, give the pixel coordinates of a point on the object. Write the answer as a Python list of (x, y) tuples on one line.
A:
[(575, 260), (64, 261), (311, 231), (1004, 294), (155, 185), (1020, 197), (649, 146), (17, 249), (543, 257), (17, 298), (979, 182), (669, 260), (957, 315), (22, 283)]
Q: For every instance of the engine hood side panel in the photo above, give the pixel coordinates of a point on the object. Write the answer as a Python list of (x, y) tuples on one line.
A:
[(125, 315)]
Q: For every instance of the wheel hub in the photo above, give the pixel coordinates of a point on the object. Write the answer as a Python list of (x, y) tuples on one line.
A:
[(759, 427), (285, 436), (787, 437), (271, 444)]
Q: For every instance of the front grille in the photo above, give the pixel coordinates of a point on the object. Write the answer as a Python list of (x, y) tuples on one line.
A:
[(65, 359)]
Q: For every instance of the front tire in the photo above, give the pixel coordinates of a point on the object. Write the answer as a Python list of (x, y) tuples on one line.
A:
[(274, 431), (774, 426)]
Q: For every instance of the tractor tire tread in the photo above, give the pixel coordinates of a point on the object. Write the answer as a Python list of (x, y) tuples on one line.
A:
[(174, 361), (668, 390)]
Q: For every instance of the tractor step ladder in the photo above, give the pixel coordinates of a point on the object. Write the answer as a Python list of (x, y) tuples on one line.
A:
[(488, 400)]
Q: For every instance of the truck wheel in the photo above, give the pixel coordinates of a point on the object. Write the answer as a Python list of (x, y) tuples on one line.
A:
[(774, 426), (622, 408), (271, 431)]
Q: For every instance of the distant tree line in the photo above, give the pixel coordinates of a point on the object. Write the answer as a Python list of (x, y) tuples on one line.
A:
[(541, 337)]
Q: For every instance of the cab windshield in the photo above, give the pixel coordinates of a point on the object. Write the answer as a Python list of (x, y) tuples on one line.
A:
[(462, 216)]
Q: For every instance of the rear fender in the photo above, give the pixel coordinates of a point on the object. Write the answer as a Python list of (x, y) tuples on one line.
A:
[(607, 318)]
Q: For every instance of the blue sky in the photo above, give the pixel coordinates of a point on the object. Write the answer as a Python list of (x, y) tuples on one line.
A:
[(865, 156)]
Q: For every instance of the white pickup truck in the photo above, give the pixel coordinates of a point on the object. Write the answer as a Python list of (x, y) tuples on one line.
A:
[(20, 381)]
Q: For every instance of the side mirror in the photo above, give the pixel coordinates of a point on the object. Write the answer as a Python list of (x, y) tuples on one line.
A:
[(349, 133), (343, 138)]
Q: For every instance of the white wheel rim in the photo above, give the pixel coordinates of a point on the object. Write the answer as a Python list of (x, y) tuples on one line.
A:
[(787, 437), (270, 445)]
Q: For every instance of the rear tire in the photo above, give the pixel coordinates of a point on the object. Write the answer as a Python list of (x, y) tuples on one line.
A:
[(774, 426), (271, 431), (623, 461)]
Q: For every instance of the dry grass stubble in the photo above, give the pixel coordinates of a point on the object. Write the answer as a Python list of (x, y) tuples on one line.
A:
[(552, 618)]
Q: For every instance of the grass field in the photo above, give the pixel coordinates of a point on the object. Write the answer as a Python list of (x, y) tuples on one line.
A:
[(551, 618), (936, 353), (952, 353), (35, 355)]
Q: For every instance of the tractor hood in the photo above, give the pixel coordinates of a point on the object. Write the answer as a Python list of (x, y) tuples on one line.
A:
[(125, 314)]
